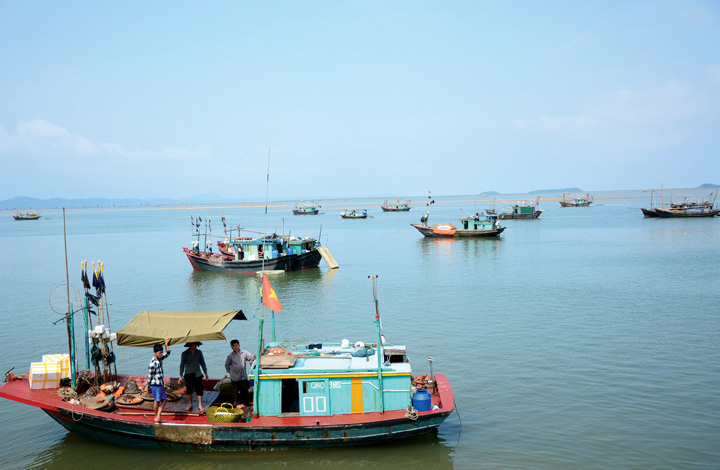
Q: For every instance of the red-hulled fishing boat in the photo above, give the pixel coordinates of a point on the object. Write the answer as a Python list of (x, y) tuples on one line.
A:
[(305, 394)]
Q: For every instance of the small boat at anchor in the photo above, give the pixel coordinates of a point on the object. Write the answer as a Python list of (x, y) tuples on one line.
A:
[(520, 210), (399, 206), (354, 214), (689, 207), (307, 208), (476, 225), (576, 201), (26, 216), (306, 394)]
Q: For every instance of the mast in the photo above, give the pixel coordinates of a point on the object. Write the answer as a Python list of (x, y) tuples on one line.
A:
[(69, 315), (380, 351), (267, 191), (256, 388)]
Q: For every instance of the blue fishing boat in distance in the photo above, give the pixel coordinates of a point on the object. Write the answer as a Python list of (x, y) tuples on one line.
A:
[(307, 208), (26, 216), (576, 201), (354, 214), (399, 206)]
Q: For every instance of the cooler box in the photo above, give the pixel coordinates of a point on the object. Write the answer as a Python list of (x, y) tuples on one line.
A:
[(63, 360), (45, 375)]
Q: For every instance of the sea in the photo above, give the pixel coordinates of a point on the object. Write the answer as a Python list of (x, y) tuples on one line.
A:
[(587, 338)]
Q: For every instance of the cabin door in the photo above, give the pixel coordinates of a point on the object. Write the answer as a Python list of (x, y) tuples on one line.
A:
[(314, 398)]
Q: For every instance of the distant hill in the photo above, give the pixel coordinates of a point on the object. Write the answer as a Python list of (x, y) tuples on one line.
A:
[(24, 202), (493, 193), (709, 186), (562, 190)]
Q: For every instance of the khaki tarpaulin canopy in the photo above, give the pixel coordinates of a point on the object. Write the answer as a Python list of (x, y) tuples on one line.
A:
[(151, 327)]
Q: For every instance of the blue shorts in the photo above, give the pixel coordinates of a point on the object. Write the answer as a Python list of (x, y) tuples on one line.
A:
[(158, 392)]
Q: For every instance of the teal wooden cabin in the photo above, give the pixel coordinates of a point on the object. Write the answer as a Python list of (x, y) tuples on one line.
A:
[(479, 222), (336, 379)]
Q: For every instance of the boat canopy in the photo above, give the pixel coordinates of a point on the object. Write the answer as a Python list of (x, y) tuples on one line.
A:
[(150, 327)]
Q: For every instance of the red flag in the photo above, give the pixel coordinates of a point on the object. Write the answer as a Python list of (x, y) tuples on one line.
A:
[(269, 298)]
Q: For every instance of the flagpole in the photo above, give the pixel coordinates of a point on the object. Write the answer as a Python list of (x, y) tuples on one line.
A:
[(267, 192), (256, 388), (380, 352), (273, 324)]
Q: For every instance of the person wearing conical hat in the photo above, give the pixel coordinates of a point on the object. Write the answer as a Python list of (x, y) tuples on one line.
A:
[(191, 361)]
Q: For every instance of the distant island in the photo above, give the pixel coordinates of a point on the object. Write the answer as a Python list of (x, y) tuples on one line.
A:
[(709, 186), (492, 193), (562, 190)]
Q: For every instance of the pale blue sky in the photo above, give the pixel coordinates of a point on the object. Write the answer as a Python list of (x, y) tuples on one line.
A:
[(355, 98)]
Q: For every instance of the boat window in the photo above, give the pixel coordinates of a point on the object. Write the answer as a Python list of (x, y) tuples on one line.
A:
[(395, 356)]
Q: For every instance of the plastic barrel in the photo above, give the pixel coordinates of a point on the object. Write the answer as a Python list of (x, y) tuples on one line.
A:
[(422, 400), (274, 253)]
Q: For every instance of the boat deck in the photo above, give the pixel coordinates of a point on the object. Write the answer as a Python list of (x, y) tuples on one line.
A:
[(49, 401)]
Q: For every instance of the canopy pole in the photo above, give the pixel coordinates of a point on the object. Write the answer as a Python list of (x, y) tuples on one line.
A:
[(86, 314), (256, 387), (71, 327)]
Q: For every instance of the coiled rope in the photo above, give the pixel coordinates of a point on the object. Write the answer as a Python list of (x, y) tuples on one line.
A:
[(412, 413), (68, 395)]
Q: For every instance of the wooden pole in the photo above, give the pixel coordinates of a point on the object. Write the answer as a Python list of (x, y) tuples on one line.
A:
[(68, 317), (256, 388), (380, 352)]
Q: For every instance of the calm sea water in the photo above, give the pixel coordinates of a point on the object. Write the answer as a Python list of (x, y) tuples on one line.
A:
[(589, 338)]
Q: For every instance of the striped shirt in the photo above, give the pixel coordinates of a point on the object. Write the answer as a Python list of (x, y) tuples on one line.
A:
[(155, 371)]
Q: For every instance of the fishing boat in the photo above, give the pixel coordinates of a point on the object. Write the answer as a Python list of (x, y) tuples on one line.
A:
[(243, 254), (519, 210), (250, 255), (575, 202), (476, 225), (354, 214), (307, 208), (689, 212), (26, 216), (306, 394), (399, 206), (688, 207)]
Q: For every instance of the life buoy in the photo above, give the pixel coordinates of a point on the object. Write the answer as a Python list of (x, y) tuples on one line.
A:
[(444, 229)]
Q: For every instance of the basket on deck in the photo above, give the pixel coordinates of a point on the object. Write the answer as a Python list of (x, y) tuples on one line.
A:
[(224, 413)]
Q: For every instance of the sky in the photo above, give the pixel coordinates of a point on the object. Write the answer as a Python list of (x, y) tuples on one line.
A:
[(356, 98)]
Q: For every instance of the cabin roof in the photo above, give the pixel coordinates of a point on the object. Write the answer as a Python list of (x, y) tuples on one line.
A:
[(331, 358)]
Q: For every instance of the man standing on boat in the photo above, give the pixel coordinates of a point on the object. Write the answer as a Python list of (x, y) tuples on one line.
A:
[(156, 379), (191, 361), (235, 367)]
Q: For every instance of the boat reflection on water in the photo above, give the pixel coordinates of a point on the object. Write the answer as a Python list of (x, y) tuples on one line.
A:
[(206, 285), (424, 451), (450, 248)]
